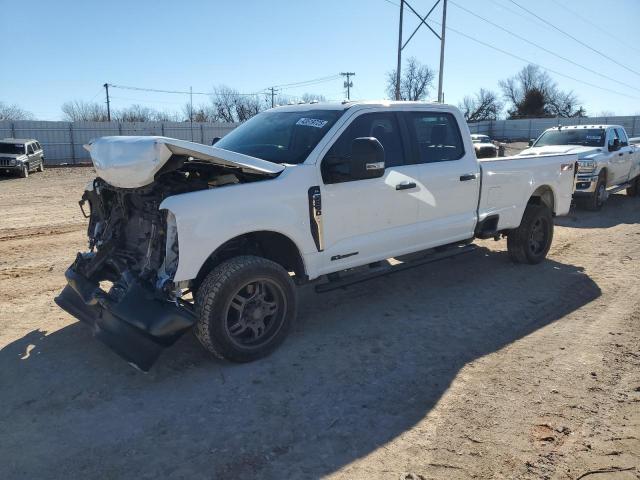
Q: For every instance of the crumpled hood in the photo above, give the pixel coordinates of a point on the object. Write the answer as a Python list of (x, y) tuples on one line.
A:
[(131, 162), (561, 149)]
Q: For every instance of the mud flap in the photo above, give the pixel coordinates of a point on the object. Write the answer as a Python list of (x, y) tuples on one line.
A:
[(138, 327)]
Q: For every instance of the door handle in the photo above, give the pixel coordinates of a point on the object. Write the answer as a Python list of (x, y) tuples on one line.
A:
[(467, 177), (405, 185)]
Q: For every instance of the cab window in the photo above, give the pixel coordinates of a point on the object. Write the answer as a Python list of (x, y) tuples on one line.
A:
[(383, 126), (624, 141), (613, 135), (435, 137), (30, 150)]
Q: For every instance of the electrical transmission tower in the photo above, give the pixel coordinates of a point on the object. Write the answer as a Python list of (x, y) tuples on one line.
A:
[(441, 37)]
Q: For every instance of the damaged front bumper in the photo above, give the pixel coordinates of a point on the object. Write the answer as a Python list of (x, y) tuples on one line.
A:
[(136, 324)]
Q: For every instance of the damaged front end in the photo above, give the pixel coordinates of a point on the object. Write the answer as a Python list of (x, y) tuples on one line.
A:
[(123, 286)]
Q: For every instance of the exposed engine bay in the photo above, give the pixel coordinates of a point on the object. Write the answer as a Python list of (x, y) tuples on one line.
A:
[(130, 237), (123, 286)]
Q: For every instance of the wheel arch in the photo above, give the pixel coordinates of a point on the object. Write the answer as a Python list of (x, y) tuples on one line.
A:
[(544, 195), (274, 246)]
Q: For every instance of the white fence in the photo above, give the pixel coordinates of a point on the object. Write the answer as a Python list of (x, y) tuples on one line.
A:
[(62, 141), (532, 127)]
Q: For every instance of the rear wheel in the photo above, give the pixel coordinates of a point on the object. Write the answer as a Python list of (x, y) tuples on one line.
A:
[(41, 166), (530, 242), (246, 307)]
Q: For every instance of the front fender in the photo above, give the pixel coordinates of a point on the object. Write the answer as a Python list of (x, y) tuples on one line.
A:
[(207, 219)]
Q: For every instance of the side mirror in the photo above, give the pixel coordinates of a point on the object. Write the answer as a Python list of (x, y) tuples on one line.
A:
[(615, 146), (367, 158), (531, 141), (215, 140)]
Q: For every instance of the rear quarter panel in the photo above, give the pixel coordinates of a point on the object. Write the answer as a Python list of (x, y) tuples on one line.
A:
[(509, 182)]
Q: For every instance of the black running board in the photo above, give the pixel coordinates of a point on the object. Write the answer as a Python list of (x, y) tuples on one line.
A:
[(618, 188), (363, 277)]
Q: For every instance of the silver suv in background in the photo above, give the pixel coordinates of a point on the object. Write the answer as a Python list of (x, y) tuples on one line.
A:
[(21, 156)]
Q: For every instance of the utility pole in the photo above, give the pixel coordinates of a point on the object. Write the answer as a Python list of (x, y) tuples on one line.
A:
[(106, 88), (399, 67), (191, 111), (273, 96), (442, 34), (348, 84)]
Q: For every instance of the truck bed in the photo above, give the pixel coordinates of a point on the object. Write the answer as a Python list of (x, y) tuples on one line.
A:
[(508, 182)]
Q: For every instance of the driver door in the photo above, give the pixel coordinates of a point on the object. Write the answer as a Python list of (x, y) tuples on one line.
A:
[(370, 219)]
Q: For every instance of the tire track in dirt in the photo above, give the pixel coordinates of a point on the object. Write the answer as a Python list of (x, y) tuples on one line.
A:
[(29, 232)]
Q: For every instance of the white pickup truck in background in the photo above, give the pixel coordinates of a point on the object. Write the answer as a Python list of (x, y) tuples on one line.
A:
[(608, 161), (216, 237)]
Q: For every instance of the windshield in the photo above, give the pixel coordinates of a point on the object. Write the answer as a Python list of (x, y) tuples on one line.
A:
[(480, 140), (281, 137), (587, 137), (12, 148)]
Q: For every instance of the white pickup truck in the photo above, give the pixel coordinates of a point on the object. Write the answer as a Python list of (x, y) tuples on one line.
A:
[(608, 160), (185, 235)]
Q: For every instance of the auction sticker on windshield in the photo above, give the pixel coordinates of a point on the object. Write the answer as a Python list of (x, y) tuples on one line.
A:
[(311, 122)]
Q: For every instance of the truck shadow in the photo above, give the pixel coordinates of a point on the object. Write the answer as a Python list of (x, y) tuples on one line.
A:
[(363, 365), (618, 210)]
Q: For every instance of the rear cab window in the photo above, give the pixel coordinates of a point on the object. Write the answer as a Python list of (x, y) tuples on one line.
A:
[(435, 137)]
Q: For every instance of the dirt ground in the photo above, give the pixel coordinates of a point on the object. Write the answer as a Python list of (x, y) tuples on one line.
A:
[(470, 368)]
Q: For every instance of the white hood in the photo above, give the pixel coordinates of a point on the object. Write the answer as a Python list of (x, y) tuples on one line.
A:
[(131, 162), (561, 149)]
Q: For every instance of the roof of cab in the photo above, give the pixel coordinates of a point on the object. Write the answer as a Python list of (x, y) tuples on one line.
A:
[(17, 140), (579, 127), (302, 107)]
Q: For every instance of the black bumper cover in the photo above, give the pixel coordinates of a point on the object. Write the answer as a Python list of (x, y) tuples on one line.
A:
[(138, 327)]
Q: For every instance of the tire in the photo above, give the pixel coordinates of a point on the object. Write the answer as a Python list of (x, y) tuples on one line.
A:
[(634, 189), (595, 201), (41, 166), (234, 303), (24, 172), (530, 242)]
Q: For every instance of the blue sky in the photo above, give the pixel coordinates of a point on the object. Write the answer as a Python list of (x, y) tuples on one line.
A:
[(55, 51)]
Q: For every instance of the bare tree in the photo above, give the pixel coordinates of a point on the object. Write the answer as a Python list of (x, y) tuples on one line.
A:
[(415, 81), (136, 113), (81, 111), (312, 97), (201, 113), (484, 105), (607, 113), (533, 93), (228, 105), (13, 112)]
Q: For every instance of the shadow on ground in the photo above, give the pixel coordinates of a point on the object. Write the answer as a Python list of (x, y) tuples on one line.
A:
[(614, 212), (363, 366)]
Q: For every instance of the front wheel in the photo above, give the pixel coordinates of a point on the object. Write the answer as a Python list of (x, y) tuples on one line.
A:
[(596, 200), (245, 307), (530, 242), (24, 172)]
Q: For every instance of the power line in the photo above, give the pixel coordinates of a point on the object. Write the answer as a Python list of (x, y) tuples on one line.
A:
[(307, 83), (575, 39), (561, 57), (595, 25), (513, 55)]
